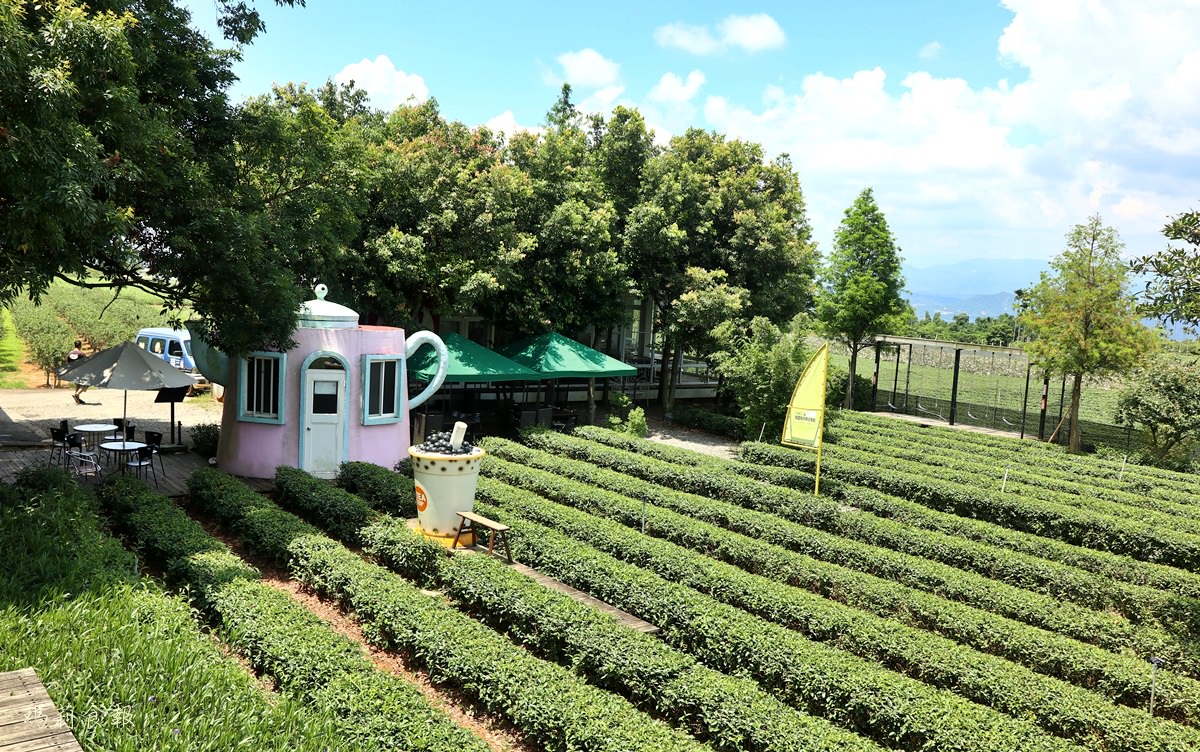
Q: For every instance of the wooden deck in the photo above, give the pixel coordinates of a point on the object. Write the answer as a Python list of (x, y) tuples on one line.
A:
[(172, 476), (29, 722), (625, 619)]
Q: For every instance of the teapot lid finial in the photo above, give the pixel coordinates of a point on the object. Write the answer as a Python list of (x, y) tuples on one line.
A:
[(321, 290)]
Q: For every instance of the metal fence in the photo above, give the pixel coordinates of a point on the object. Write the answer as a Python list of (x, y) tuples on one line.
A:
[(981, 385)]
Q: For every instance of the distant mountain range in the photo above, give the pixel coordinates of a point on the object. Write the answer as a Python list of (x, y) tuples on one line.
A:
[(976, 287), (981, 287)]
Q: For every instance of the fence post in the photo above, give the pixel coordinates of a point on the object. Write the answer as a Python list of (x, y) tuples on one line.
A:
[(875, 379), (1045, 399), (1025, 402), (954, 384)]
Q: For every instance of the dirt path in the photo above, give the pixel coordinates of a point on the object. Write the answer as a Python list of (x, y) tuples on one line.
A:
[(27, 414), (698, 441)]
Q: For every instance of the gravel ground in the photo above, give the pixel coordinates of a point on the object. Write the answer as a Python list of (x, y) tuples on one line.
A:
[(26, 415), (698, 441)]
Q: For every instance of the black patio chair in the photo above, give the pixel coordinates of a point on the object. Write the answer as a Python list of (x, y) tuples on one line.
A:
[(142, 464), (154, 441)]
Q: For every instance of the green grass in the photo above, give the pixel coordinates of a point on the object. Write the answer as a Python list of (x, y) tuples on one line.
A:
[(12, 353)]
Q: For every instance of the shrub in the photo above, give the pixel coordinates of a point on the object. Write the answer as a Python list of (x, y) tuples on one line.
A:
[(205, 438), (637, 423), (760, 373), (835, 390), (388, 491), (709, 420)]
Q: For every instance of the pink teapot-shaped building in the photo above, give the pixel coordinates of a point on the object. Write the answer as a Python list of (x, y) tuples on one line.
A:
[(340, 394)]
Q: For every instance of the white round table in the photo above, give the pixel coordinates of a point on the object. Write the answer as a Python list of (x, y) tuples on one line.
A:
[(93, 430), (122, 449)]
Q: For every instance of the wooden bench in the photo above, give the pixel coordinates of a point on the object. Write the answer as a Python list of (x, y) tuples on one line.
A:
[(470, 521)]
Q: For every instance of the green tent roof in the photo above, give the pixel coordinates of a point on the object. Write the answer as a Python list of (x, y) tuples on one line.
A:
[(469, 363), (555, 356)]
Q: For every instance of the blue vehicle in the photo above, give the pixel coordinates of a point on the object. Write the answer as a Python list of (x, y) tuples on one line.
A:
[(172, 345)]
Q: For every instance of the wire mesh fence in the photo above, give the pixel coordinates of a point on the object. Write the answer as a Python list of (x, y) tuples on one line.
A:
[(980, 385)]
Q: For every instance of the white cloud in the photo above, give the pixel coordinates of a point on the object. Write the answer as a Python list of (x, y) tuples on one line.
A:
[(671, 88), (752, 33), (602, 100), (589, 69), (931, 51), (694, 39), (507, 124), (388, 86), (1097, 115)]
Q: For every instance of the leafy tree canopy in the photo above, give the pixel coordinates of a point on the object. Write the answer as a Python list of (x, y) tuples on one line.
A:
[(120, 146), (861, 282), (1172, 292), (1081, 317), (1163, 396)]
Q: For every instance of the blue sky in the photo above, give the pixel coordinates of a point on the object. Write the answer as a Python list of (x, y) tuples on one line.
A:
[(987, 130)]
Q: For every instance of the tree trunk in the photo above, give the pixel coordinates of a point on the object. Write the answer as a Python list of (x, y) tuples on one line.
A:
[(1075, 442), (663, 372), (669, 379), (848, 402), (676, 363)]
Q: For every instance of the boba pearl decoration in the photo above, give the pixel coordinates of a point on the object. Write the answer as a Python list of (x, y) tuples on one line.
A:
[(439, 443)]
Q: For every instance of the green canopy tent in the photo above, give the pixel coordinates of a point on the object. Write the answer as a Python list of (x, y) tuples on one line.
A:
[(469, 363), (557, 357)]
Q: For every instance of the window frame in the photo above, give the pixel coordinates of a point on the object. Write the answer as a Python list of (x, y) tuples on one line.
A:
[(280, 389), (367, 384)]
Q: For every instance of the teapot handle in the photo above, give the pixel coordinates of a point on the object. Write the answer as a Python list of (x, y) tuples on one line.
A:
[(410, 346)]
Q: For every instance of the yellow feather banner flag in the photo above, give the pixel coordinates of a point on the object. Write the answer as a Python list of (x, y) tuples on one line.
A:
[(805, 421)]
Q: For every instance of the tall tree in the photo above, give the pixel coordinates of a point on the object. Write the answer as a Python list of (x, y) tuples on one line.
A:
[(619, 150), (119, 146), (1081, 317), (441, 220), (1164, 397), (861, 282), (716, 205), (1172, 292), (569, 276)]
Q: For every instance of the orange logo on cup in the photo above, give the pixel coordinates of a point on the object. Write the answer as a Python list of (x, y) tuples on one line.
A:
[(422, 498)]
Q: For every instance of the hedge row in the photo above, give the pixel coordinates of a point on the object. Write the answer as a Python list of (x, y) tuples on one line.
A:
[(380, 486), (710, 421), (1032, 562), (865, 576), (764, 459), (609, 654), (668, 682), (549, 704), (102, 317), (1021, 498), (1032, 468), (893, 709), (1058, 706), (1045, 454), (281, 637), (124, 662), (342, 514), (47, 337)]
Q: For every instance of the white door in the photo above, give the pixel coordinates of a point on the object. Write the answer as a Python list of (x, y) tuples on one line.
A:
[(324, 422)]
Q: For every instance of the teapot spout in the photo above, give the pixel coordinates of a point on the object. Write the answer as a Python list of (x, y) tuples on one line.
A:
[(216, 366)]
